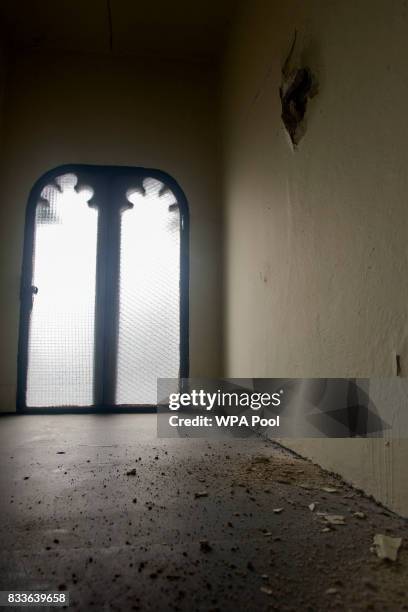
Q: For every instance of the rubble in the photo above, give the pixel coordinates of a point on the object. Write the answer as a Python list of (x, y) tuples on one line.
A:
[(387, 547)]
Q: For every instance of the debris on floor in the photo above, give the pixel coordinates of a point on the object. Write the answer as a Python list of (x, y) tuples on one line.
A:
[(333, 519), (261, 459), (145, 541), (329, 489), (387, 547), (200, 494), (266, 590), (205, 546), (331, 591)]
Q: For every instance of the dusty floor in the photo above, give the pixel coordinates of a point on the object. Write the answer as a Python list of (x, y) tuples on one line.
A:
[(98, 506)]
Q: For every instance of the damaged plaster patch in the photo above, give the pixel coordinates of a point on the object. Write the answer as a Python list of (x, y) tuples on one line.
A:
[(297, 86)]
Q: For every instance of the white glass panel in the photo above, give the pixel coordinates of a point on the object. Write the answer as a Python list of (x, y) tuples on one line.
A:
[(61, 337), (149, 294)]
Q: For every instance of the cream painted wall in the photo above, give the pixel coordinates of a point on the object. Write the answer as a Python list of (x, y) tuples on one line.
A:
[(316, 256), (99, 110)]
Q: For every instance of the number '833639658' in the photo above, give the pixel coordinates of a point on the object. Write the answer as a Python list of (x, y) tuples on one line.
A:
[(36, 598)]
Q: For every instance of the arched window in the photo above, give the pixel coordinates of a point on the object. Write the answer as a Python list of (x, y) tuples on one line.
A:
[(104, 293)]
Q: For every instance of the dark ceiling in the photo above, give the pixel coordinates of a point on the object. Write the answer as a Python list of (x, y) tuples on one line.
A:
[(183, 28)]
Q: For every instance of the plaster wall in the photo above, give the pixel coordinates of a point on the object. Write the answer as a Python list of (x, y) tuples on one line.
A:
[(316, 256)]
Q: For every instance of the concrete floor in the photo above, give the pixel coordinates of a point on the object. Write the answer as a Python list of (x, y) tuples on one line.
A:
[(75, 519)]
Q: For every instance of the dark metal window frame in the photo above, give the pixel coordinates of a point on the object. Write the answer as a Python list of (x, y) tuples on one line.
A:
[(104, 180)]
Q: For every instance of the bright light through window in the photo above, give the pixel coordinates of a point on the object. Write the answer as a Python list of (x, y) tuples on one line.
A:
[(61, 341), (149, 294), (105, 322)]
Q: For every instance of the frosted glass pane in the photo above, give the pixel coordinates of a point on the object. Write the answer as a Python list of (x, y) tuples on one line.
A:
[(61, 336), (149, 294)]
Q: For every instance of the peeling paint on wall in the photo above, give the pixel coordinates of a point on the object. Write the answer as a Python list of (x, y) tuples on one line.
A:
[(297, 86)]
